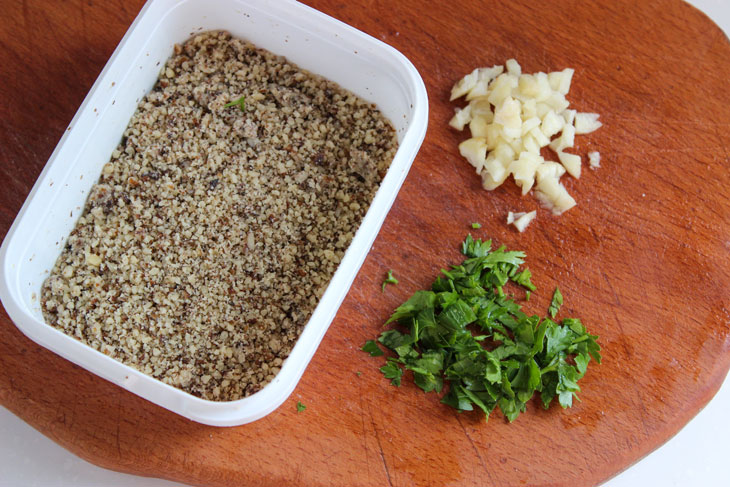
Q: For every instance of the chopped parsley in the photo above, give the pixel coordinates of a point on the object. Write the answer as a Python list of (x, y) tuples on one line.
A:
[(392, 371), (509, 358), (389, 279), (372, 348), (476, 226), (300, 407), (556, 303), (241, 103)]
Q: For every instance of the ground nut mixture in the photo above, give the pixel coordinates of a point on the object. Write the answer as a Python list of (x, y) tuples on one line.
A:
[(213, 231)]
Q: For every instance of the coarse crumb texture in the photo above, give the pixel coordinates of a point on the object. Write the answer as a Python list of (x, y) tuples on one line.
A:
[(213, 231)]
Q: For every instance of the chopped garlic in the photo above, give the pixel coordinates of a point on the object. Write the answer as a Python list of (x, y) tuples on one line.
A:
[(479, 127), (585, 123), (513, 67), (540, 137), (560, 80), (571, 162), (521, 220), (512, 116), (529, 144), (471, 80), (529, 109), (552, 123), (481, 108), (594, 159), (478, 90), (549, 169), (489, 183), (557, 102), (553, 195), (529, 124), (569, 116), (523, 170), (486, 75), (566, 139), (494, 136), (502, 88), (507, 114), (465, 84), (474, 150), (496, 167), (461, 118)]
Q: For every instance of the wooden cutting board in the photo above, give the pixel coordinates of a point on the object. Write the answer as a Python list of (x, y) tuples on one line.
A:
[(644, 259)]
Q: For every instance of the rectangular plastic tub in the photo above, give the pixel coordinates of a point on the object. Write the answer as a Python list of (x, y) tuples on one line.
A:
[(314, 41)]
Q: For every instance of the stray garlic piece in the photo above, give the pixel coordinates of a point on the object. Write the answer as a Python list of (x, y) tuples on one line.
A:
[(521, 220)]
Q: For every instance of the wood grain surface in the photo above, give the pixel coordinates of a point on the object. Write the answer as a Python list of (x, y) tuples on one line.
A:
[(644, 259)]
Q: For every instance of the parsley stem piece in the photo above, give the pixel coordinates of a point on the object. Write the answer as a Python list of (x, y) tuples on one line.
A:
[(465, 333), (389, 279), (240, 102), (476, 226)]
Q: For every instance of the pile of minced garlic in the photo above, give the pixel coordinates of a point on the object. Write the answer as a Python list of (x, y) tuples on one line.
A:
[(220, 219), (511, 116)]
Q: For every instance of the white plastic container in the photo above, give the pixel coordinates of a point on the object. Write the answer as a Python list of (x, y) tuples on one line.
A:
[(314, 41)]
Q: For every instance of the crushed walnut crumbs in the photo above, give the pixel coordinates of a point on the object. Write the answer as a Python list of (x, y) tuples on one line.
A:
[(213, 231)]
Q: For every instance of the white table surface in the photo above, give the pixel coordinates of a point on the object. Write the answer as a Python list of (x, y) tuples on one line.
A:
[(696, 456)]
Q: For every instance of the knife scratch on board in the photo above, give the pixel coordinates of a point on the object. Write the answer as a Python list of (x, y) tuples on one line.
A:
[(476, 450)]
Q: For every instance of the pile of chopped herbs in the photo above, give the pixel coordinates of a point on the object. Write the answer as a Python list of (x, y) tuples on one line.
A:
[(466, 332)]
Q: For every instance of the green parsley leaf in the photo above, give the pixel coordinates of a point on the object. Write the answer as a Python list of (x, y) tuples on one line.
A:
[(475, 248), (400, 343), (556, 303), (510, 358), (476, 226), (492, 369), (457, 316), (428, 382), (300, 407), (581, 362), (391, 370), (559, 338), (372, 348), (523, 279), (419, 301), (431, 362), (389, 279), (240, 103), (511, 408)]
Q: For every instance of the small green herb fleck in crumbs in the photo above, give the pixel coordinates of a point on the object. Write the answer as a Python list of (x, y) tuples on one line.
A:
[(476, 226), (358, 373), (240, 102), (389, 279), (300, 407)]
